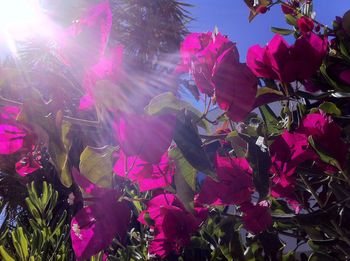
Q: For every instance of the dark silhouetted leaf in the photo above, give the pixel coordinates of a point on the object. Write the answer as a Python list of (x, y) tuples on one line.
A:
[(259, 160), (190, 144)]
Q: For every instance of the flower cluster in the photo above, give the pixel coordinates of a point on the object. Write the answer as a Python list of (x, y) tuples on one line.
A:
[(213, 60), (256, 166), (20, 141)]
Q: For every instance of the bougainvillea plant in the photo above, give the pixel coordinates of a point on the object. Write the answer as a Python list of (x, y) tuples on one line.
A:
[(137, 173)]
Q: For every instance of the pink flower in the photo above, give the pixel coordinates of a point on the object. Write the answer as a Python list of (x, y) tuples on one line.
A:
[(305, 24), (148, 176), (344, 76), (340, 73), (12, 138), (172, 223), (199, 52), (235, 85), (287, 9), (29, 163), (287, 63), (109, 67), (326, 134), (9, 113), (19, 140), (12, 134), (288, 151), (94, 227), (84, 45), (312, 86), (192, 44), (286, 189), (235, 183), (147, 137), (256, 218), (86, 40), (213, 61)]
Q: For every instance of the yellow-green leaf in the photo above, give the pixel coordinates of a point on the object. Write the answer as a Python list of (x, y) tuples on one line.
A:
[(96, 164), (330, 108), (281, 31), (59, 150), (185, 178), (5, 255), (22, 246), (267, 90)]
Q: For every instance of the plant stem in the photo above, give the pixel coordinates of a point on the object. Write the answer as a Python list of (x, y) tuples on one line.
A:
[(340, 232), (312, 191)]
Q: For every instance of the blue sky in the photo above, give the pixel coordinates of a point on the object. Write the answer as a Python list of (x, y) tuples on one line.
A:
[(231, 17)]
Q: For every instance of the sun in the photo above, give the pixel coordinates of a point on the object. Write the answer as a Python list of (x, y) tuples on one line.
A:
[(18, 15), (20, 19)]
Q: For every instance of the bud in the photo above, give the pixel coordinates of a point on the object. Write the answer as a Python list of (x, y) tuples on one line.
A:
[(262, 9), (287, 9)]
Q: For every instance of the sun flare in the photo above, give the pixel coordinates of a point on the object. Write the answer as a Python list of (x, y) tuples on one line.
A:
[(20, 19), (18, 15)]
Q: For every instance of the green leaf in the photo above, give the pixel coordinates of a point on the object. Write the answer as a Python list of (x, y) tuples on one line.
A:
[(231, 136), (323, 156), (290, 256), (254, 252), (267, 90), (184, 179), (282, 31), (344, 50), (5, 255), (96, 164), (137, 205), (330, 108), (291, 19), (45, 194), (168, 103), (238, 146), (270, 120), (22, 246), (198, 242), (229, 239), (33, 195), (59, 150), (184, 168), (59, 224)]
